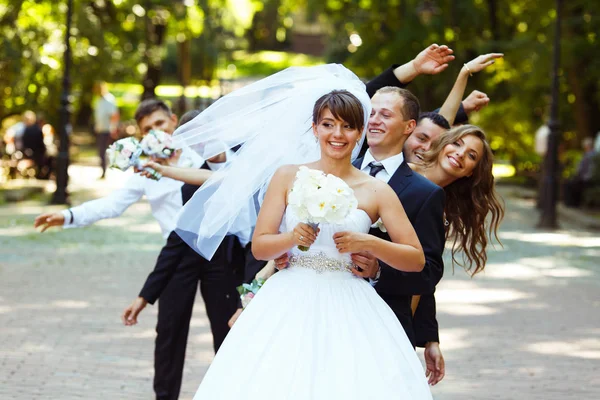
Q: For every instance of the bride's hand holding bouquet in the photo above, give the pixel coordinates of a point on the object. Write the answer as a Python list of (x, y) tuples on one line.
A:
[(318, 198)]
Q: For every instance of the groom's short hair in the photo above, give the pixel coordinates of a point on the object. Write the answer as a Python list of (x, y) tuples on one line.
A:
[(149, 106), (410, 107)]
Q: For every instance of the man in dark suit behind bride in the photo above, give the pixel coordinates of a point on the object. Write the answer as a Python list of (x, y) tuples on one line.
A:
[(394, 117)]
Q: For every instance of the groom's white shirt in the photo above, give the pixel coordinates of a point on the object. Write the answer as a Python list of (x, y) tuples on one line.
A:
[(390, 165), (163, 195)]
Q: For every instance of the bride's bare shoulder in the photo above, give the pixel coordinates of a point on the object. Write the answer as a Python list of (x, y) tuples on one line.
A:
[(288, 169), (285, 174)]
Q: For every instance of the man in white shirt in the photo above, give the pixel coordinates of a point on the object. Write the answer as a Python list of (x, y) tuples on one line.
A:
[(393, 119), (166, 198), (163, 195), (106, 120)]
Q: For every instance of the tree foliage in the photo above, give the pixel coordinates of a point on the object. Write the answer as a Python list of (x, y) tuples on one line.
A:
[(178, 41), (519, 86), (111, 40)]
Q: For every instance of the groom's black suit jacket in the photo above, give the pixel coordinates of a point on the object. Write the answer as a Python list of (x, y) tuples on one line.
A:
[(423, 202)]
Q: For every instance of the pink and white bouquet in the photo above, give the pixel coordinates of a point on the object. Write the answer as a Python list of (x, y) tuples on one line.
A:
[(158, 144), (247, 291), (125, 153), (318, 198)]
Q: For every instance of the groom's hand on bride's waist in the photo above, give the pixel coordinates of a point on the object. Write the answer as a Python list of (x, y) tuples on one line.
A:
[(282, 261), (365, 265)]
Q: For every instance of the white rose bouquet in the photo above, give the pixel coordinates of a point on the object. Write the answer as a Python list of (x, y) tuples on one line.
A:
[(318, 198), (158, 144), (125, 153)]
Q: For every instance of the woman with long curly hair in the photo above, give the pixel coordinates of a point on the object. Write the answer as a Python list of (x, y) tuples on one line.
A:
[(461, 162)]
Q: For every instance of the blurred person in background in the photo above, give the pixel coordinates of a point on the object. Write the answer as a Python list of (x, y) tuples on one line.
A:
[(106, 121), (32, 142), (574, 187)]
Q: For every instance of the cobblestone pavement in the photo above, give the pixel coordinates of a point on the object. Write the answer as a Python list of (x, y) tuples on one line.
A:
[(529, 327)]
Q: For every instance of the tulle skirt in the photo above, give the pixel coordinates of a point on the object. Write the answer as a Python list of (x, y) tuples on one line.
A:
[(315, 336)]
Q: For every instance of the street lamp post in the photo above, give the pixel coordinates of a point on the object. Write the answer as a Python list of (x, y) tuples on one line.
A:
[(550, 184), (62, 164)]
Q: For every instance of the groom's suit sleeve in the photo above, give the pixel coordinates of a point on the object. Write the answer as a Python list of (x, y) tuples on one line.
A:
[(425, 323), (387, 78)]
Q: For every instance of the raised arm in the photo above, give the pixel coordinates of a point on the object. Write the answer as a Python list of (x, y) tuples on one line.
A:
[(403, 252), (454, 99), (431, 61)]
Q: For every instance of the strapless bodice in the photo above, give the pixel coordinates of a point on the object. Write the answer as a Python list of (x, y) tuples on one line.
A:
[(356, 221)]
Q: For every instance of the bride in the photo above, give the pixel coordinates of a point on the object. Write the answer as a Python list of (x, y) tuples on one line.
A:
[(315, 330)]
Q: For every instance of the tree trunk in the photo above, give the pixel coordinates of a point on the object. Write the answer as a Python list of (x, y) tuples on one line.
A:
[(586, 103), (493, 15), (156, 28)]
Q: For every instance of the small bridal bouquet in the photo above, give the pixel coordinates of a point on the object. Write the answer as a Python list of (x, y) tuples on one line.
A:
[(125, 153), (247, 291), (318, 198), (158, 144)]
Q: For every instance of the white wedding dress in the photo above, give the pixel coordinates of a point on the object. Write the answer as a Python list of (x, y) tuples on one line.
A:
[(315, 331)]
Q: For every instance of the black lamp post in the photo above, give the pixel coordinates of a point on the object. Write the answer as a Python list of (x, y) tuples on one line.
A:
[(550, 179), (60, 196)]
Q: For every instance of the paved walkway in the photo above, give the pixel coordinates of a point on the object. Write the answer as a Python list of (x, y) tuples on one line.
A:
[(529, 327)]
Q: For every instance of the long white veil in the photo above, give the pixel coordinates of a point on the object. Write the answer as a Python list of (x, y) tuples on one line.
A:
[(272, 120)]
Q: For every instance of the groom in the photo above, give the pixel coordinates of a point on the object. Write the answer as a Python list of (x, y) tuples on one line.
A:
[(393, 118)]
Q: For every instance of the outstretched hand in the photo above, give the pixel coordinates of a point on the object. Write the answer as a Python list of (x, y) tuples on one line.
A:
[(483, 61), (433, 60), (47, 220)]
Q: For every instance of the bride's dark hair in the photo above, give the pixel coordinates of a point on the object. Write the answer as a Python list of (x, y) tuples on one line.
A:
[(343, 105)]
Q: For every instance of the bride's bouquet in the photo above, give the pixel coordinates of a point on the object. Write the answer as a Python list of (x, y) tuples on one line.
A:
[(125, 153), (318, 198), (158, 144)]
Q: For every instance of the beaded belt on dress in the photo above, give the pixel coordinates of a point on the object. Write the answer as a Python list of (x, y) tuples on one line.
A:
[(319, 262)]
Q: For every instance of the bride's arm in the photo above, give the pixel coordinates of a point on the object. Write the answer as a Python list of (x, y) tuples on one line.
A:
[(267, 242), (404, 252), (193, 176)]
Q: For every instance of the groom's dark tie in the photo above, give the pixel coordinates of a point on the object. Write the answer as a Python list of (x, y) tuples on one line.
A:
[(375, 168)]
